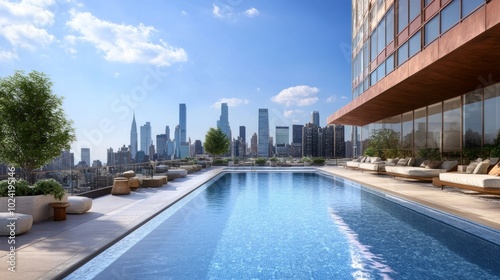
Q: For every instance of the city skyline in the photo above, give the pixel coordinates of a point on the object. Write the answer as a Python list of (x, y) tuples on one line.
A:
[(109, 59)]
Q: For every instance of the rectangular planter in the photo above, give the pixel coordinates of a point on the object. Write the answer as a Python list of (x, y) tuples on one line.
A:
[(36, 206)]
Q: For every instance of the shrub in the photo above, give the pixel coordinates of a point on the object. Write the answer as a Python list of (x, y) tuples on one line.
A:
[(260, 161), (50, 186), (319, 161), (22, 188)]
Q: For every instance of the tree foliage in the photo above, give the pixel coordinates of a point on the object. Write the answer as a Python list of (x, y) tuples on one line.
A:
[(216, 142), (33, 126), (384, 143)]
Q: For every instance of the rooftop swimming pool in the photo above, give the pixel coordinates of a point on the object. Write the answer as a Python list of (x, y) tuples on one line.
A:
[(291, 225)]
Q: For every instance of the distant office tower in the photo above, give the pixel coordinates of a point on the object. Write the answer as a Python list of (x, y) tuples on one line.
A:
[(67, 160), (296, 147), (110, 160), (152, 152), (122, 156), (133, 138), (161, 145), (86, 156), (282, 140), (146, 138), (310, 140), (182, 123), (223, 122), (315, 118), (327, 141), (177, 140), (340, 144), (243, 141), (263, 136), (253, 145), (271, 151), (167, 132), (198, 147)]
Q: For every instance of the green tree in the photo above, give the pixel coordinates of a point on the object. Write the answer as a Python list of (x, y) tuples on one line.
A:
[(384, 143), (216, 142), (33, 126)]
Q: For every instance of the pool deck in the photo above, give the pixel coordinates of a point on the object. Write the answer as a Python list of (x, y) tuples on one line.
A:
[(51, 249)]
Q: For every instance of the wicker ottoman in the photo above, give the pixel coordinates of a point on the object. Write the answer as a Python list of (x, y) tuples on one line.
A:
[(19, 226), (78, 204)]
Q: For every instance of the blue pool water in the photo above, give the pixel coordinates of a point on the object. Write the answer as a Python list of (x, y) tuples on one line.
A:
[(295, 226)]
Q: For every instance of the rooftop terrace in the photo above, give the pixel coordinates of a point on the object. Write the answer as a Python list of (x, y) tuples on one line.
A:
[(53, 249)]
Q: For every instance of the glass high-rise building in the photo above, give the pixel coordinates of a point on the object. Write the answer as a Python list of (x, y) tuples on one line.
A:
[(263, 136), (85, 154), (133, 138), (282, 140), (183, 122), (426, 70), (146, 140), (223, 122), (315, 118)]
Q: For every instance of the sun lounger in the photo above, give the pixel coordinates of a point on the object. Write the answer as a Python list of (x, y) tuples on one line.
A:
[(423, 172), (483, 183)]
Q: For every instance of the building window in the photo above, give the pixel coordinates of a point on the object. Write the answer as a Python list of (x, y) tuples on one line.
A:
[(381, 71), (415, 44), (468, 6), (414, 9), (472, 121), (491, 113), (407, 134), (402, 15), (389, 26), (389, 64), (427, 2), (373, 78), (450, 15), (403, 53), (431, 30), (373, 45), (451, 124), (420, 125), (381, 36), (434, 123)]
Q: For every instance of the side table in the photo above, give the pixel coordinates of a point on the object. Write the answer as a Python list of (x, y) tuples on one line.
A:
[(59, 210)]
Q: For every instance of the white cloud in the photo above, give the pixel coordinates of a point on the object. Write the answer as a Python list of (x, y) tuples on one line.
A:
[(331, 99), (252, 12), (290, 113), (344, 97), (297, 96), (116, 75), (7, 55), (231, 102), (217, 12), (184, 13), (23, 24), (123, 43)]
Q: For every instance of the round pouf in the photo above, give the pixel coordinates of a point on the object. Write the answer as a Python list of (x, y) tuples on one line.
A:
[(134, 183), (120, 186), (78, 204), (176, 173), (19, 226), (129, 174)]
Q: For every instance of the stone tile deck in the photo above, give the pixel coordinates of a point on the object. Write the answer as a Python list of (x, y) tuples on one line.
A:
[(50, 249)]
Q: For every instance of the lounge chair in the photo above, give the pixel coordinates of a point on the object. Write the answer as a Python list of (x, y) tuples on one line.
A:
[(377, 166), (425, 171), (354, 164), (482, 183)]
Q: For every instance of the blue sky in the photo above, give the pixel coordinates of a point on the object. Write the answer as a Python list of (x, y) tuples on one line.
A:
[(111, 58)]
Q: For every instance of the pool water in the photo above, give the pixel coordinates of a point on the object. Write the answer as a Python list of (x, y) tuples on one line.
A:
[(294, 226)]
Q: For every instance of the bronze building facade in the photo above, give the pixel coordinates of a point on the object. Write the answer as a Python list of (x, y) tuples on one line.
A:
[(428, 69)]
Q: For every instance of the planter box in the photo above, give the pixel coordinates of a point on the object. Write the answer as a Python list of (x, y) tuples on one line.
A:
[(36, 206)]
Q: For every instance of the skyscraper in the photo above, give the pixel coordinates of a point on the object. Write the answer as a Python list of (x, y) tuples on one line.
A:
[(243, 140), (86, 156), (263, 144), (315, 118), (177, 140), (146, 138), (182, 122), (310, 140), (111, 157), (133, 138), (243, 133), (223, 122), (296, 140), (161, 145), (282, 140)]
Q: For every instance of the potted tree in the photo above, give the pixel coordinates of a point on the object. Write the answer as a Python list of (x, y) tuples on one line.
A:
[(273, 161)]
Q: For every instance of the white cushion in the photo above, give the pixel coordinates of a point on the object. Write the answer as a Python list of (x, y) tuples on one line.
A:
[(477, 180), (22, 224), (78, 204)]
